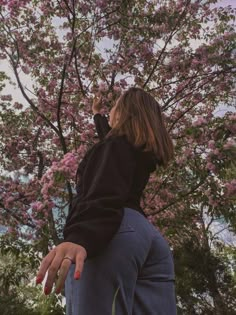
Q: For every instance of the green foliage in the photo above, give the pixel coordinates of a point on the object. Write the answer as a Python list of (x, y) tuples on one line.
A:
[(18, 293), (114, 301), (210, 271), (3, 78)]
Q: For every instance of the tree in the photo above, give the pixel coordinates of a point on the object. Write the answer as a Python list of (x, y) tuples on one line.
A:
[(56, 45)]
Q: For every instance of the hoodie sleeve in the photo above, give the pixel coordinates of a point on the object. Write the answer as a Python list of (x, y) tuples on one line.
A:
[(96, 216), (102, 125)]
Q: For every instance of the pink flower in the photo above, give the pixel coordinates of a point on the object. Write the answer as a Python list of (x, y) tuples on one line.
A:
[(231, 188), (123, 83), (6, 97), (216, 151), (116, 88), (8, 201), (180, 160), (11, 230), (101, 3), (18, 105), (37, 205), (200, 121), (210, 166), (229, 144), (151, 219), (25, 69), (40, 223), (232, 117), (211, 144), (195, 61)]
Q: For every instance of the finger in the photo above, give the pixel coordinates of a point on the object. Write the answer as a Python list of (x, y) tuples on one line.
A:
[(52, 273), (65, 266), (98, 100), (79, 261), (44, 266)]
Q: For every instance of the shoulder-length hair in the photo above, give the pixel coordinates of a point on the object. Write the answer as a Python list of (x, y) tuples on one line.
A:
[(138, 116)]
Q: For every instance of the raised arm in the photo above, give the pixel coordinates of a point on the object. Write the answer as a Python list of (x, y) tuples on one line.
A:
[(102, 125), (101, 122)]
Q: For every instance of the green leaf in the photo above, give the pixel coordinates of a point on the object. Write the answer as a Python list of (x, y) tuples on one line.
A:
[(113, 304)]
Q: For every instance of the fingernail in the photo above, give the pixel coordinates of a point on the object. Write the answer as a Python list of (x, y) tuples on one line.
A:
[(39, 279), (58, 290), (77, 275), (46, 290)]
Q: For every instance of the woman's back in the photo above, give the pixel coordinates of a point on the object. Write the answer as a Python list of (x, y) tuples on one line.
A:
[(145, 163)]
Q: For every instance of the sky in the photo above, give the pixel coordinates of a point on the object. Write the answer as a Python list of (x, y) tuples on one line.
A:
[(224, 3)]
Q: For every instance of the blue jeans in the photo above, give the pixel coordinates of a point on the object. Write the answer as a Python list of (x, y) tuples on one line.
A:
[(138, 262)]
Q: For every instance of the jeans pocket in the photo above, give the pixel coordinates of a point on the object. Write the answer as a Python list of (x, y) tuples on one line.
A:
[(125, 227)]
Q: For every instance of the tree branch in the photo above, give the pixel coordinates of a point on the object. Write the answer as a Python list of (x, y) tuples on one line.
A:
[(33, 106), (181, 196), (163, 50), (19, 219)]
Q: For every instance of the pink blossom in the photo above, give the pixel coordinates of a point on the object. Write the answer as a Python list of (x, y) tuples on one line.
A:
[(8, 201), (83, 137), (50, 204), (30, 236), (232, 117), (40, 223), (231, 188), (11, 230), (211, 144), (116, 88), (123, 83), (6, 97), (151, 219), (102, 87), (200, 121), (180, 160), (3, 56), (18, 105), (216, 151), (84, 8), (229, 144), (210, 166), (188, 152), (25, 69), (37, 205), (195, 61)]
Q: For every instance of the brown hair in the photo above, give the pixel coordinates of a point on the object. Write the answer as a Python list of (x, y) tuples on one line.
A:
[(138, 116)]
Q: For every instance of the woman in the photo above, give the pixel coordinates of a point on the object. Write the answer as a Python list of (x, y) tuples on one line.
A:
[(109, 244)]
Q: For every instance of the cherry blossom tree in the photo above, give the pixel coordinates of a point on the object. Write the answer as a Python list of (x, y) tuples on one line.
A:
[(180, 51)]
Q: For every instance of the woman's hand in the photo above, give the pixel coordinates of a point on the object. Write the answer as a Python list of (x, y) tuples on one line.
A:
[(97, 104), (55, 261)]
